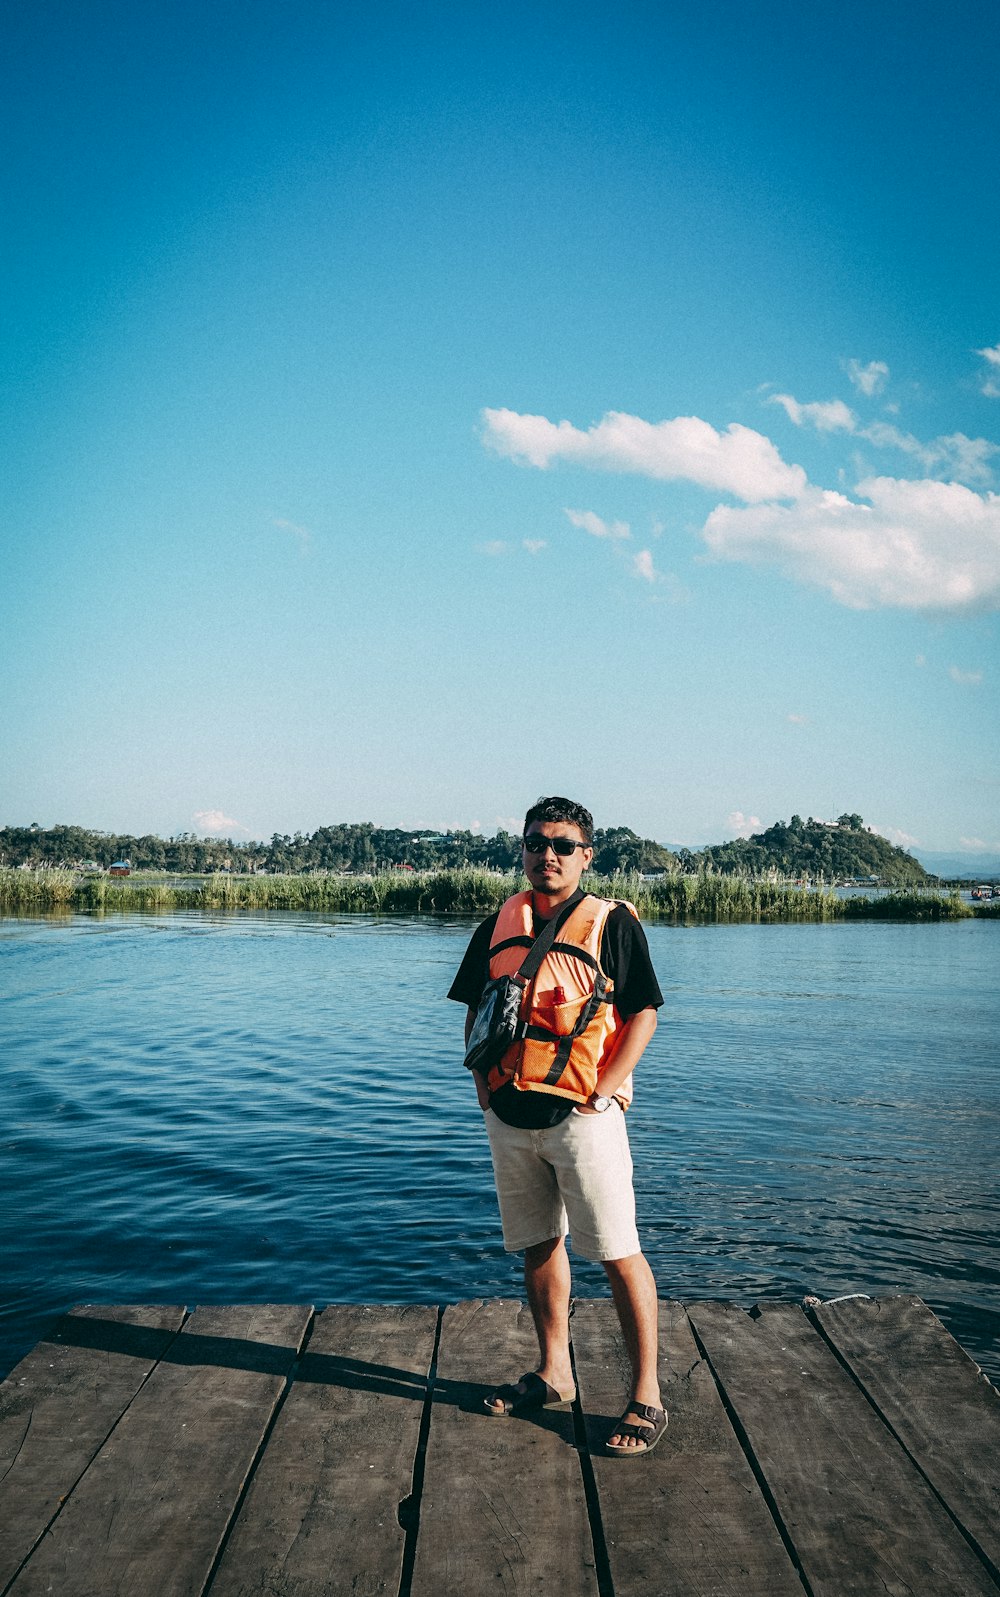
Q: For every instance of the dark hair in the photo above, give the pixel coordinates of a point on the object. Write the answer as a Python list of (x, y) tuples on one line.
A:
[(562, 809)]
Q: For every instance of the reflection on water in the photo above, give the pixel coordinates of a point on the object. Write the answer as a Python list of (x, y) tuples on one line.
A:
[(272, 1108)]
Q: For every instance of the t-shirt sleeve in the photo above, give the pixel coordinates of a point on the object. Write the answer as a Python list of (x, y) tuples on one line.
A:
[(473, 972), (625, 956)]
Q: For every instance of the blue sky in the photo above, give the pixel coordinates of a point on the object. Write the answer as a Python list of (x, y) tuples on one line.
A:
[(415, 409)]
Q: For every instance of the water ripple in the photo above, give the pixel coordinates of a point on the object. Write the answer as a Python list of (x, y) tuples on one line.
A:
[(272, 1108)]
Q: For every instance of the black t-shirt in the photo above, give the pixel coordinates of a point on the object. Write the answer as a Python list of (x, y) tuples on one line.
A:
[(625, 958)]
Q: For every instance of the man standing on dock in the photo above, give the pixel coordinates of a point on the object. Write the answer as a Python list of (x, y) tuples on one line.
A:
[(554, 1102)]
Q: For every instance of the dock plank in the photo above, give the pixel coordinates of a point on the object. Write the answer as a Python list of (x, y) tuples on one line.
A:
[(150, 1512), (321, 1513), (689, 1521), (60, 1404), (860, 1515), (936, 1399), (504, 1507)]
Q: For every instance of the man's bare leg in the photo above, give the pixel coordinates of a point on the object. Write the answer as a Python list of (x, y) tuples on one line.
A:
[(547, 1283), (634, 1291)]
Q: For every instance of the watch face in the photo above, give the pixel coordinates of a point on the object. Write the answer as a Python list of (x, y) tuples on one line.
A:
[(600, 1103)]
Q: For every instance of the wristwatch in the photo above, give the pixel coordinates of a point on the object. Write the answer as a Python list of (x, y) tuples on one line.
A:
[(599, 1103)]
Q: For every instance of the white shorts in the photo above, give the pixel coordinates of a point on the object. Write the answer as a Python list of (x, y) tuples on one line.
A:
[(575, 1177)]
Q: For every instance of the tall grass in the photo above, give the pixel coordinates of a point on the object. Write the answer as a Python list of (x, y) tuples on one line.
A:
[(681, 899)]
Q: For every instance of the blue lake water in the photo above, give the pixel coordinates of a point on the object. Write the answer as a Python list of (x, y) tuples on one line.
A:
[(247, 1108)]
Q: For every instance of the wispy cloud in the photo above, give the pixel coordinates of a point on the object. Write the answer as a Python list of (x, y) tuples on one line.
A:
[(990, 386), (216, 824), (738, 461), (494, 548), (965, 679), (587, 521), (826, 415), (797, 720), (742, 825), (952, 455), (302, 535), (916, 545), (642, 565), (870, 379), (534, 546)]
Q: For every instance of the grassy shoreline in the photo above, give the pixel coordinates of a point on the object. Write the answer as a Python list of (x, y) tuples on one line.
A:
[(680, 899)]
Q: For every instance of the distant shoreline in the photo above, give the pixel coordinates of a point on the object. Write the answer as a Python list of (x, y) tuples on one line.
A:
[(681, 899)]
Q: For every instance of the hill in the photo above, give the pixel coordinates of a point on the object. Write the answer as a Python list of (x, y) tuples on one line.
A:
[(839, 850), (832, 850)]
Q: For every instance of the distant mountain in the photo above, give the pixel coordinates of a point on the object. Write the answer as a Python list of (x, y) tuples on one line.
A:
[(982, 866)]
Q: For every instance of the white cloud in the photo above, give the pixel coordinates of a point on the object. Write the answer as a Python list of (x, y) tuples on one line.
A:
[(991, 355), (798, 720), (870, 379), (966, 679), (921, 659), (973, 842), (827, 415), (589, 522), (534, 546), (991, 389), (917, 545), (216, 824), (494, 547), (743, 825), (642, 565), (738, 461)]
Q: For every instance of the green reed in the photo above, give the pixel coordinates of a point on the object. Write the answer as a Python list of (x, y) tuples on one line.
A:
[(681, 899)]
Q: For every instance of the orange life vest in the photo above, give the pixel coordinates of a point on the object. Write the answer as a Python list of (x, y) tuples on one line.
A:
[(569, 1013)]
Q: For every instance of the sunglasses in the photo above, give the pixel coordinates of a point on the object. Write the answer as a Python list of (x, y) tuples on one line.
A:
[(536, 843)]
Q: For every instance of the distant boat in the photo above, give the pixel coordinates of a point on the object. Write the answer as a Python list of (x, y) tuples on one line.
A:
[(120, 867), (986, 890)]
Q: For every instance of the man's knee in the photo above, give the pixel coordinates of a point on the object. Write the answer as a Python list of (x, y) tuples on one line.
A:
[(541, 1252), (631, 1261), (632, 1272)]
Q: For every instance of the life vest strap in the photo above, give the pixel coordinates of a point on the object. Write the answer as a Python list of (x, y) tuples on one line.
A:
[(575, 953), (523, 941)]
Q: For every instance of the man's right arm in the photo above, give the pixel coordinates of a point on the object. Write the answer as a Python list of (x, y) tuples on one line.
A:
[(468, 986), (482, 1090)]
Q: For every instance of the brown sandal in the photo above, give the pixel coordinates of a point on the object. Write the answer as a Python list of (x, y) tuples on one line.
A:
[(648, 1435), (527, 1394)]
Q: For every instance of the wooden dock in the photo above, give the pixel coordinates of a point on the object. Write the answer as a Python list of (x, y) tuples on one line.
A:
[(274, 1452)]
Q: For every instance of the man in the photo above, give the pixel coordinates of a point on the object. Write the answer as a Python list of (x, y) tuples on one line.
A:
[(554, 1109)]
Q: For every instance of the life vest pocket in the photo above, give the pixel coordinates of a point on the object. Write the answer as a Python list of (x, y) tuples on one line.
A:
[(555, 1012)]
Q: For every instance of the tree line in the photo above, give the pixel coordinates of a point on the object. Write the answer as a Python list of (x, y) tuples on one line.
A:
[(815, 849)]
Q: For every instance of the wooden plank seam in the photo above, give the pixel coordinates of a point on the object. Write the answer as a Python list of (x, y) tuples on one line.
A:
[(255, 1461), (408, 1511), (602, 1563), (65, 1498), (751, 1457), (973, 1543)]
